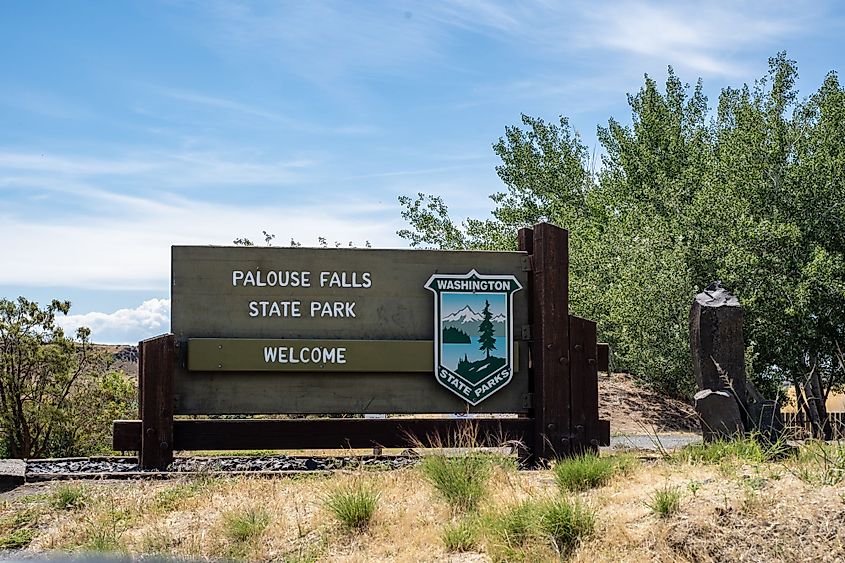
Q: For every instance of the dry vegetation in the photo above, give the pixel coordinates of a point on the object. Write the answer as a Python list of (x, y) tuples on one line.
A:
[(730, 503)]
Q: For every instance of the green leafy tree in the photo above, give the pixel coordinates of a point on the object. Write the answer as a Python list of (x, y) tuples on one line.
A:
[(752, 194), (486, 330), (39, 366)]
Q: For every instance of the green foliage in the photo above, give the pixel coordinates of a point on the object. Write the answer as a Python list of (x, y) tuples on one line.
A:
[(56, 398), (39, 367), (242, 526), (461, 480), (665, 501), (98, 400), (461, 536), (583, 472), (67, 496), (353, 505), (751, 195)]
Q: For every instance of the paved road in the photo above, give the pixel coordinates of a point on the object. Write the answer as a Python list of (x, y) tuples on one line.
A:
[(653, 442)]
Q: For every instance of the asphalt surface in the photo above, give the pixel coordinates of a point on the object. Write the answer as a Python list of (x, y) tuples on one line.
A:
[(653, 442)]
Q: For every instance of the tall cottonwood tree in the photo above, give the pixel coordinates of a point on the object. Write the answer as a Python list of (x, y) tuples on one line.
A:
[(752, 193)]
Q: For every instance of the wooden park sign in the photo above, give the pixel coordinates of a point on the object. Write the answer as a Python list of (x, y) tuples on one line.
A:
[(362, 331)]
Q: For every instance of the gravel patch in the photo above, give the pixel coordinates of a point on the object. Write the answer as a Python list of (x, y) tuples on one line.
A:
[(220, 464)]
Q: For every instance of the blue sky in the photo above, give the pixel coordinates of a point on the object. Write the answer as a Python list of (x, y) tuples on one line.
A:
[(128, 126)]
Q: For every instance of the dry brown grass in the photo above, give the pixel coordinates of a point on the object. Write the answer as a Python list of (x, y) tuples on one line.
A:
[(759, 512)]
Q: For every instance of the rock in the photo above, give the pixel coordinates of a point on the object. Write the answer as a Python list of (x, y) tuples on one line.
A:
[(716, 341), (718, 412), (12, 474), (765, 419)]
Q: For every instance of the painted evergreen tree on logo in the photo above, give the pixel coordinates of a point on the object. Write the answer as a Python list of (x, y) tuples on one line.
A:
[(485, 329)]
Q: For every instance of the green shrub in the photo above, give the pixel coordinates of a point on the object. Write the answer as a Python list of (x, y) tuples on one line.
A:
[(461, 536), (583, 472), (665, 502), (353, 505), (245, 525), (461, 480), (67, 496)]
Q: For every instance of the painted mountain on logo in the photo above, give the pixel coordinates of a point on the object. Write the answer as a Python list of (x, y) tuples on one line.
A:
[(466, 320)]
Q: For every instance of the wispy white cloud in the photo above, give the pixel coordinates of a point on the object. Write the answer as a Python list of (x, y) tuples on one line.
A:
[(177, 168), (263, 115), (123, 326), (703, 37), (127, 245)]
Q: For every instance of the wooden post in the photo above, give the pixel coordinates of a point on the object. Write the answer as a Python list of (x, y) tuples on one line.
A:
[(525, 243), (550, 342), (157, 358), (584, 385)]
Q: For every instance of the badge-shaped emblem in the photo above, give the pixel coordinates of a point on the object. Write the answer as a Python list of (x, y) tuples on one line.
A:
[(473, 332)]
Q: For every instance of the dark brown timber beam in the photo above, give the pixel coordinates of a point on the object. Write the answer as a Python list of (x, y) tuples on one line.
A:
[(328, 433)]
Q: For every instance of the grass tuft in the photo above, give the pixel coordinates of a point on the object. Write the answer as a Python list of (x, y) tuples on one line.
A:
[(16, 529), (16, 539), (461, 536), (67, 496), (584, 472), (461, 480), (745, 450), (353, 505), (567, 523), (242, 526), (536, 530), (665, 502), (819, 464)]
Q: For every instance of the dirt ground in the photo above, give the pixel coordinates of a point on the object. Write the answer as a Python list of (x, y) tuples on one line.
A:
[(634, 409)]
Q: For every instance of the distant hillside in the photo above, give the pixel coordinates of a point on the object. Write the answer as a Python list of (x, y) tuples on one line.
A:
[(123, 357)]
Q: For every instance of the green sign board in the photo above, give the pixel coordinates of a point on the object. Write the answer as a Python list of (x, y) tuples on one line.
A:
[(304, 330)]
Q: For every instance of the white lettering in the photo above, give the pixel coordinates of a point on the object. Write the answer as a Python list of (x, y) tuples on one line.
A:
[(304, 355), (237, 275), (275, 309)]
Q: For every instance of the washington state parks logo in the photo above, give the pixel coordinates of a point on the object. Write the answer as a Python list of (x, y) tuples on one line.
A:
[(473, 332)]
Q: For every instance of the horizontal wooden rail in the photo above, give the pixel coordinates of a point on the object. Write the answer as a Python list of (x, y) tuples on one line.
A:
[(326, 433)]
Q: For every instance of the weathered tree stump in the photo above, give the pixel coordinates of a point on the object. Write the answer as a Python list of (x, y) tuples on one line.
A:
[(716, 341), (719, 414)]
